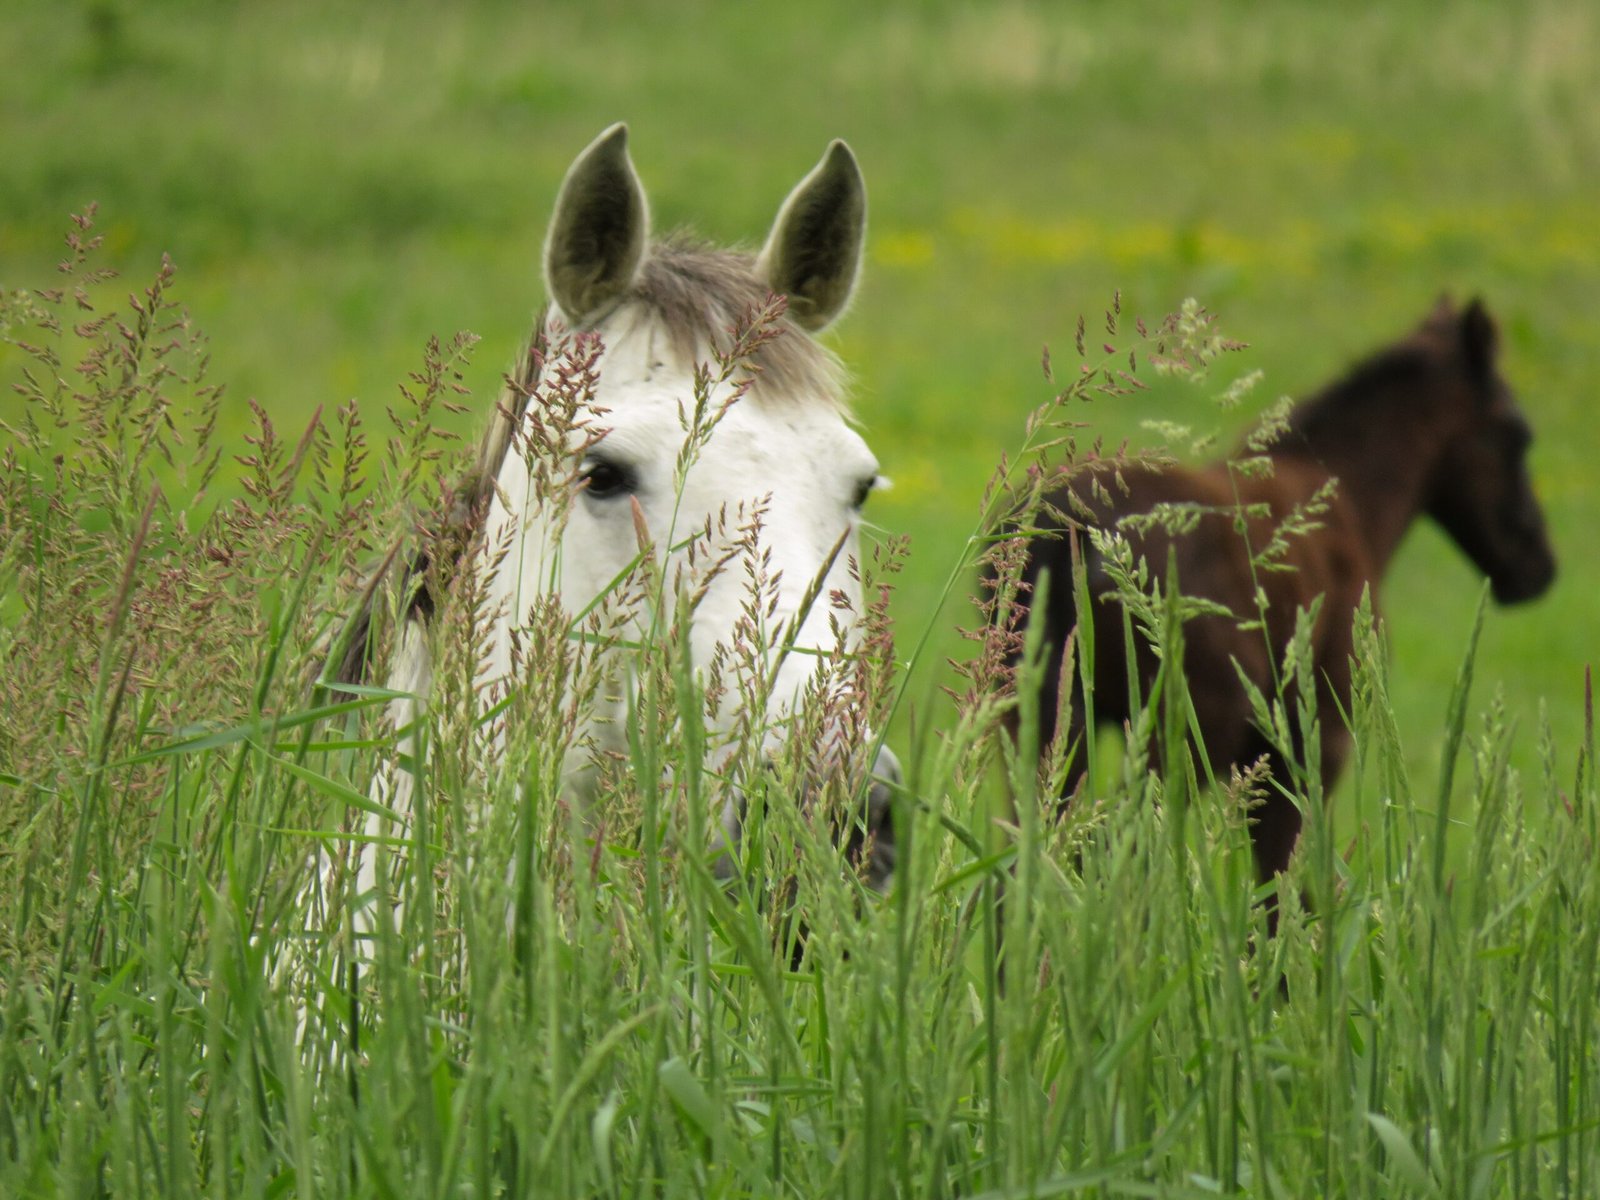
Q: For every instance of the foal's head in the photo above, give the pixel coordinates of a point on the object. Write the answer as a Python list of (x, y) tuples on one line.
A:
[(1480, 493), (747, 480)]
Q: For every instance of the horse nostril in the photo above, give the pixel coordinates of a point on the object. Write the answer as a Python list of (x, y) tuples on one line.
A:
[(1530, 579), (887, 767), (887, 779)]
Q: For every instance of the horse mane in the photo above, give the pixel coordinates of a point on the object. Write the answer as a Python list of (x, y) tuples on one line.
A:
[(696, 293), (1373, 380)]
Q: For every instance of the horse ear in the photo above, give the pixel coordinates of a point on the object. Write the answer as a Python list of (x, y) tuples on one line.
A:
[(1480, 339), (814, 250), (597, 235)]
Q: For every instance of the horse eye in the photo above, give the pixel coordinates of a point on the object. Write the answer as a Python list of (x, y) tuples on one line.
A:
[(864, 489), (602, 480)]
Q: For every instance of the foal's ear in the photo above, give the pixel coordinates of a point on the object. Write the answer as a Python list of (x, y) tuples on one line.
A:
[(1480, 339), (598, 232), (814, 250)]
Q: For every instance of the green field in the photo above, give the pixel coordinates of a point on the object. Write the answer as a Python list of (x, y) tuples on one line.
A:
[(335, 185)]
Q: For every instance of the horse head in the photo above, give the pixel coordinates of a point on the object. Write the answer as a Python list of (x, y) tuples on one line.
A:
[(735, 470), (1481, 493)]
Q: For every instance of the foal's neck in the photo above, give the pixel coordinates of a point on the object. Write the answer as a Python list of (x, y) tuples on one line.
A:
[(1378, 434)]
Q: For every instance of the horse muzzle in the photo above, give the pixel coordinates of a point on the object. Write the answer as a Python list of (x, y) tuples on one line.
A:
[(865, 832), (871, 843), (1529, 580)]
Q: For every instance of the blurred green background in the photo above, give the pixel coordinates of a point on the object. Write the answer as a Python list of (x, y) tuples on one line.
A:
[(336, 183)]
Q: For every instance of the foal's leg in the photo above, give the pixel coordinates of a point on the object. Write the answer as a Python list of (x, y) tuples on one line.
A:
[(1226, 719), (1275, 820), (1275, 827), (1278, 820)]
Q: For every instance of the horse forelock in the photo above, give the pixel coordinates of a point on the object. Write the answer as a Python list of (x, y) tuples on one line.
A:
[(696, 294)]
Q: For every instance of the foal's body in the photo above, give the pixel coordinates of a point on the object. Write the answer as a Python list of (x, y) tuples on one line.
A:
[(1426, 427)]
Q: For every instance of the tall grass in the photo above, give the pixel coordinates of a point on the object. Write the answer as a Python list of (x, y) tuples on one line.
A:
[(638, 1025)]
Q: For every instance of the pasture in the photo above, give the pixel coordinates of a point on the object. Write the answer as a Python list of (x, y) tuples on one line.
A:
[(336, 185)]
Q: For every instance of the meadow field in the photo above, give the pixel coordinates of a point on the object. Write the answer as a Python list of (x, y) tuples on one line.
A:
[(338, 184)]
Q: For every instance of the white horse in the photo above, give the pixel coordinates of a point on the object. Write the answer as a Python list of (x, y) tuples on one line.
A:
[(776, 449)]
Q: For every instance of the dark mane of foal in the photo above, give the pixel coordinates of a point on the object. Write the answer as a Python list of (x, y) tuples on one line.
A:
[(696, 294), (1373, 381)]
